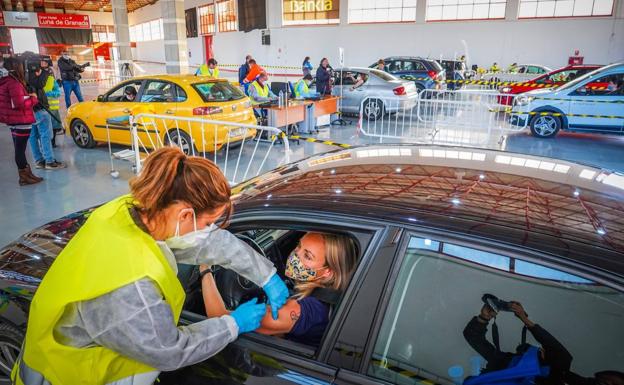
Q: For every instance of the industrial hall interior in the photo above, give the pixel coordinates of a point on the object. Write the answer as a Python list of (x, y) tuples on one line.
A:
[(312, 192)]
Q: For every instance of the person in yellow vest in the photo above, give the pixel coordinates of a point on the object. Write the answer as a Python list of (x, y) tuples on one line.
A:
[(53, 93), (107, 310), (495, 68), (302, 88), (210, 70), (259, 93)]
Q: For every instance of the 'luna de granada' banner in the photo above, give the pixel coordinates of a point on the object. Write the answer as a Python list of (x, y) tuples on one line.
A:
[(63, 20)]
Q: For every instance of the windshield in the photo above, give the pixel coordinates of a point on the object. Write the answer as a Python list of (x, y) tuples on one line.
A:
[(221, 91), (581, 79)]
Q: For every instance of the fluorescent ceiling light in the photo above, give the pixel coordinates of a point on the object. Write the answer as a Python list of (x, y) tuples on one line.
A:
[(587, 174)]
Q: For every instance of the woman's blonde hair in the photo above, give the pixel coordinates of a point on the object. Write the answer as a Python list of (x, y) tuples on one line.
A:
[(340, 257)]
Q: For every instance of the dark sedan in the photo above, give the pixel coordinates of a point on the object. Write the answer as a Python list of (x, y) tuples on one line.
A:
[(437, 229)]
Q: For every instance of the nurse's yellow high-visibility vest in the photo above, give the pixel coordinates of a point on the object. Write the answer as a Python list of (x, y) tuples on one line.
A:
[(301, 85), (108, 252), (204, 70), (263, 91)]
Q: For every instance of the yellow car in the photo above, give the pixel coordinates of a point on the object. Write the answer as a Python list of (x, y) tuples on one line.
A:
[(170, 95)]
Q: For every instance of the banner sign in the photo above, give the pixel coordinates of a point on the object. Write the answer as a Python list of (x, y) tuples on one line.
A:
[(63, 20), (44, 20)]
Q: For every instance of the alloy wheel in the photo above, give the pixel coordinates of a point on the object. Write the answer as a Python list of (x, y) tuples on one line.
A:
[(545, 125), (8, 355), (81, 133)]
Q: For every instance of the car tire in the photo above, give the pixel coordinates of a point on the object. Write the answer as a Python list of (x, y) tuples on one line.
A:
[(181, 139), (546, 126), (11, 338), (373, 109), (81, 134)]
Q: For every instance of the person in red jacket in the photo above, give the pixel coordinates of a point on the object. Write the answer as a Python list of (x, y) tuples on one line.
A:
[(16, 111)]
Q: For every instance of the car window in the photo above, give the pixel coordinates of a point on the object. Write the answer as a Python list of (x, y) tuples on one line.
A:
[(534, 70), (161, 91), (605, 85), (521, 69), (430, 332), (221, 91), (117, 93), (395, 66), (413, 66)]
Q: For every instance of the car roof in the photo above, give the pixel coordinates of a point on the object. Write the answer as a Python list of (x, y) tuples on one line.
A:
[(534, 208), (187, 78), (407, 58)]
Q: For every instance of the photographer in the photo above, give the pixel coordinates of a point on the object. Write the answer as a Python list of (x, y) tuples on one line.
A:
[(70, 75), (551, 354), (41, 133)]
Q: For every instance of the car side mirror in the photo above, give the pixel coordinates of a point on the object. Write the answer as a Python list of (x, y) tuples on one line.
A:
[(100, 98)]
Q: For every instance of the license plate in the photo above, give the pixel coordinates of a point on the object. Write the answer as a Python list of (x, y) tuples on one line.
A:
[(237, 132)]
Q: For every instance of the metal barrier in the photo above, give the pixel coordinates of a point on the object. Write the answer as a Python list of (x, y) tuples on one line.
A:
[(240, 150), (463, 117)]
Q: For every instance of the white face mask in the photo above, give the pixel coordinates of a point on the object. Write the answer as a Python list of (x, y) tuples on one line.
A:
[(65, 56), (187, 240)]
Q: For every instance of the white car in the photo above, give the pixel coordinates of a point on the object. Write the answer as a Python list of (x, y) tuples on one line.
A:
[(523, 72), (593, 102)]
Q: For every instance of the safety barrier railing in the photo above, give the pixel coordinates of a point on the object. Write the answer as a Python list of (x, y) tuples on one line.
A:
[(241, 151), (464, 117)]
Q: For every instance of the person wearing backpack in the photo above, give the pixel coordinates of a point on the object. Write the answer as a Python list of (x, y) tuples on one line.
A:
[(16, 112), (551, 361)]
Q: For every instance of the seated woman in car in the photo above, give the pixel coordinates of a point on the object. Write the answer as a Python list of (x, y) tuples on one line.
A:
[(319, 261)]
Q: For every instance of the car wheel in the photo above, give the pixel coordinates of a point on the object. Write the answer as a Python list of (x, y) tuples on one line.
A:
[(181, 139), (373, 109), (10, 345), (81, 134), (545, 126)]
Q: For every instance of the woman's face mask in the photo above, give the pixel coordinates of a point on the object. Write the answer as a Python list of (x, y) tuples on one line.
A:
[(295, 269), (190, 239)]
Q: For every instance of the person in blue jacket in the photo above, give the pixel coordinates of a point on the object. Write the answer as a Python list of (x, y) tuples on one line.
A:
[(306, 67)]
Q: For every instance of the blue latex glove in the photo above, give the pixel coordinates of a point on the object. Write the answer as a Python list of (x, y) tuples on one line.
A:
[(277, 292), (249, 315)]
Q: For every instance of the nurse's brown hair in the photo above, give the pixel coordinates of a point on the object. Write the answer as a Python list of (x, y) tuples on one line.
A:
[(169, 176)]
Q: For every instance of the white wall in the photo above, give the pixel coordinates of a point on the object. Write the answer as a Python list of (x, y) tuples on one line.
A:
[(545, 41), (99, 18), (196, 50), (151, 51)]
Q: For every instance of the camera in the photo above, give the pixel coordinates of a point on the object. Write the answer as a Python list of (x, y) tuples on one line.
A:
[(32, 61), (495, 303)]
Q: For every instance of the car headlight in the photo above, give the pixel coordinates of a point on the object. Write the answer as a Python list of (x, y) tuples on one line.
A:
[(506, 90), (523, 100)]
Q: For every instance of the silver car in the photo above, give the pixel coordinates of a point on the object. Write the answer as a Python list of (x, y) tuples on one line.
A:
[(380, 94)]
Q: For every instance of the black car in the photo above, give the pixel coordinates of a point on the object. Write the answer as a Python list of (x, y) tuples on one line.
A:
[(438, 228), (425, 73)]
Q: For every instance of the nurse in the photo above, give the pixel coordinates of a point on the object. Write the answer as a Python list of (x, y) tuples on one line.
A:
[(107, 310)]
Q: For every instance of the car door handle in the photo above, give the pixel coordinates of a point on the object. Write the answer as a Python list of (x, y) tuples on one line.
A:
[(169, 112), (126, 111)]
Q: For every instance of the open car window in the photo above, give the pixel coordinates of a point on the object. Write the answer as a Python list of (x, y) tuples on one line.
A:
[(117, 93), (429, 330), (276, 244)]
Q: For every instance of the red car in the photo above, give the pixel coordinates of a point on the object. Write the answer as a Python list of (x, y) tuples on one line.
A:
[(552, 79)]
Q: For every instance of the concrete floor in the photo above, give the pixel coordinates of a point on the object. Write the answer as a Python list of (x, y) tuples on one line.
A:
[(87, 181)]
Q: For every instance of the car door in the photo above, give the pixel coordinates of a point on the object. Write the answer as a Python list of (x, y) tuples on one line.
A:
[(342, 88), (158, 97), (114, 109), (427, 330), (595, 107), (260, 359)]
